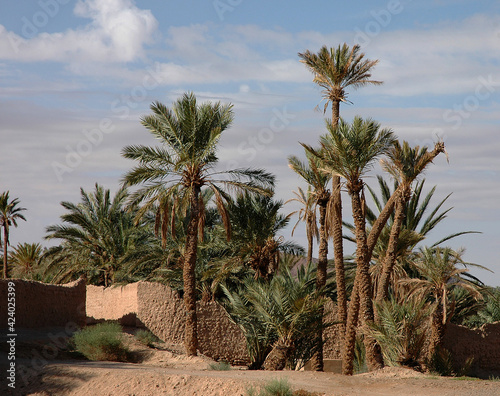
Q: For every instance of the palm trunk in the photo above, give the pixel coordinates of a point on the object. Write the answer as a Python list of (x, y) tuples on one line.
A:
[(338, 243), (438, 328), (310, 239), (188, 273), (317, 359), (363, 280), (5, 243), (277, 358), (390, 256), (350, 332)]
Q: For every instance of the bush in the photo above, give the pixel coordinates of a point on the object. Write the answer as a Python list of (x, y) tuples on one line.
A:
[(276, 387), (101, 342), (220, 366), (146, 337)]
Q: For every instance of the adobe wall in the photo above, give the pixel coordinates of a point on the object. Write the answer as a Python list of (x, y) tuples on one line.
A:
[(483, 344), (41, 305), (161, 310)]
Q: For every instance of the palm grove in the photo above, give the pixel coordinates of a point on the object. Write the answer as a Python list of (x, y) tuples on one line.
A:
[(215, 235)]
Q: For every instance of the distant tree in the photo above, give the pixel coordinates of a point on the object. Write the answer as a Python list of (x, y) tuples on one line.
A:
[(96, 235), (25, 259), (10, 212), (307, 214)]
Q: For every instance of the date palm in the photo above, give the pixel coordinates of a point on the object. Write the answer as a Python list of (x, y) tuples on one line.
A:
[(307, 214), (350, 150), (10, 212), (180, 168), (96, 235), (439, 274), (335, 70), (404, 164), (318, 180), (25, 259)]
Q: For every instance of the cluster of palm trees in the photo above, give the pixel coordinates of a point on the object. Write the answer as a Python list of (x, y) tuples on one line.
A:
[(214, 234)]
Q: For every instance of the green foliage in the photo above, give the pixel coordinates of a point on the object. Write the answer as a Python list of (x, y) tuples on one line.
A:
[(101, 342), (146, 337), (25, 260), (97, 234), (220, 366), (286, 308), (401, 331), (489, 310), (275, 387)]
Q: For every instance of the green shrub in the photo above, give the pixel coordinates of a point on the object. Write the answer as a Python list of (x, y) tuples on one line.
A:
[(220, 366), (275, 387), (101, 342), (146, 337)]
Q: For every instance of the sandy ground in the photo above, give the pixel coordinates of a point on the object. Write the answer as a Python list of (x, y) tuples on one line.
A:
[(167, 371)]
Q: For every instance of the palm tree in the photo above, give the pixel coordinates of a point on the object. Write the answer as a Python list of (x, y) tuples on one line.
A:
[(256, 222), (287, 305), (335, 70), (97, 234), (180, 168), (349, 150), (318, 181), (307, 214), (404, 164), (25, 259), (439, 275), (9, 214)]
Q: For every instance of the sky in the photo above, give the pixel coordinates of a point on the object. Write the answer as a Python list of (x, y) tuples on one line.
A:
[(76, 76)]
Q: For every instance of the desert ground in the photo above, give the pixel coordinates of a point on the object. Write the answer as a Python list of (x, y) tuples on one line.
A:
[(166, 370)]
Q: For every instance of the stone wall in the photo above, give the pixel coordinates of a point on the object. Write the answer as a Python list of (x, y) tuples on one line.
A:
[(41, 305), (161, 310), (482, 344)]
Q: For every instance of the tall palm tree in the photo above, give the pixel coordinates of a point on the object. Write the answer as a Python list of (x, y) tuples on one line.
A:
[(25, 259), (307, 214), (335, 70), (349, 150), (96, 235), (439, 275), (9, 214), (184, 164), (318, 180), (404, 164)]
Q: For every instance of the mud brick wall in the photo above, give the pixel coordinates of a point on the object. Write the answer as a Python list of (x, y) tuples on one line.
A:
[(41, 305), (483, 344), (161, 310)]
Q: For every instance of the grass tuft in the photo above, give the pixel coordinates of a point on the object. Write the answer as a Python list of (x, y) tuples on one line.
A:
[(102, 342), (146, 337), (219, 366)]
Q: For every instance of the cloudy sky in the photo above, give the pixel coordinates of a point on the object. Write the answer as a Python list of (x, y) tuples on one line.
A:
[(76, 76)]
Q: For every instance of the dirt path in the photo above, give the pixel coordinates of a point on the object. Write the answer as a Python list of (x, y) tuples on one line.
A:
[(106, 378)]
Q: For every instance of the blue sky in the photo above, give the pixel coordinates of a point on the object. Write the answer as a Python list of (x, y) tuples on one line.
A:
[(75, 77)]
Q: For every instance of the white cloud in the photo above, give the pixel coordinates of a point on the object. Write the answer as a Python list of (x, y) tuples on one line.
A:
[(117, 32)]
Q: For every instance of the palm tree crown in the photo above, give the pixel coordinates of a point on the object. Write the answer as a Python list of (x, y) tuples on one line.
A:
[(335, 69), (9, 214)]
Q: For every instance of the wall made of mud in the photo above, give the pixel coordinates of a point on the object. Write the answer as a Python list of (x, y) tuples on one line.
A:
[(39, 305), (482, 344), (159, 309)]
